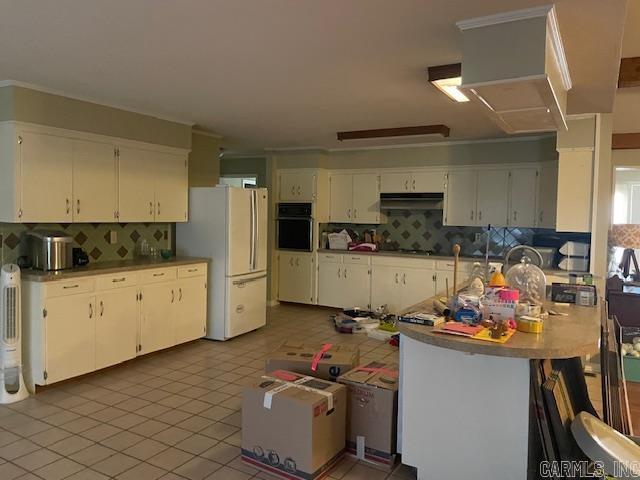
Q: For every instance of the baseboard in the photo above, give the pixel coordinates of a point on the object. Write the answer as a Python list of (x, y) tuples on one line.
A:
[(273, 303)]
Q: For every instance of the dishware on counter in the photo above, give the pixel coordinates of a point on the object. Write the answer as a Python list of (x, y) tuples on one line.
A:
[(142, 248), (50, 250), (166, 253), (529, 279)]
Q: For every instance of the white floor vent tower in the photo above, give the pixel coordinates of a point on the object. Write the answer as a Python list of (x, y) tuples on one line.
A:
[(12, 387)]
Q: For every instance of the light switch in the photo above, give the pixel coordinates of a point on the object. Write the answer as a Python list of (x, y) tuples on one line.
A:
[(113, 237)]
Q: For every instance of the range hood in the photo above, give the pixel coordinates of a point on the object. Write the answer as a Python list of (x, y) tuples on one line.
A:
[(513, 64), (411, 201)]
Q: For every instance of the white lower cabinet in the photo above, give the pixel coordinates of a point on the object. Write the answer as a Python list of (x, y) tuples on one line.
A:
[(76, 326), (295, 277), (68, 338), (399, 287), (344, 283)]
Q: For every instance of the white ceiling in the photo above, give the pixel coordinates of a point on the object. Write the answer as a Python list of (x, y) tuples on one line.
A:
[(284, 73)]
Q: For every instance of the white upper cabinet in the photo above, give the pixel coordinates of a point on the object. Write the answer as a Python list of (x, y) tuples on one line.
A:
[(431, 181), (547, 195), (297, 186), (51, 175), (575, 178), (95, 182), (136, 185), (493, 195), (524, 190), (354, 198), (171, 187), (340, 197), (460, 205), (46, 181), (366, 198)]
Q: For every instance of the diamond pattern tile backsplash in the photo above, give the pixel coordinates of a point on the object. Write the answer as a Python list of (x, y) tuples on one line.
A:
[(423, 230), (93, 238)]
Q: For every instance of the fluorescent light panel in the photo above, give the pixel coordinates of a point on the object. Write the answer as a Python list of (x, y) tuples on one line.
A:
[(449, 86)]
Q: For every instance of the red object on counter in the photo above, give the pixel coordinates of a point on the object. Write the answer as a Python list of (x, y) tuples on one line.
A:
[(363, 247)]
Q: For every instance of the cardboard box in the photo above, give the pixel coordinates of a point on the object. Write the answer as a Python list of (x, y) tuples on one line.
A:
[(372, 414), (330, 361), (293, 426)]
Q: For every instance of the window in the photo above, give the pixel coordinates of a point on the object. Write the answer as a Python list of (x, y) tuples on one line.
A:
[(243, 181)]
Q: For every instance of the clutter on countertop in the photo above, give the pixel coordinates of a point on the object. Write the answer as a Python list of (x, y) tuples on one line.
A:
[(326, 361), (293, 426), (584, 295), (373, 412)]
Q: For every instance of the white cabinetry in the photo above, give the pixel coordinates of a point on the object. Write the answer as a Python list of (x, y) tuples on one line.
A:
[(343, 280), (575, 190), (295, 277), (492, 202), (400, 283), (297, 186), (428, 181), (76, 326), (461, 193), (52, 175), (547, 195), (522, 197), (354, 198)]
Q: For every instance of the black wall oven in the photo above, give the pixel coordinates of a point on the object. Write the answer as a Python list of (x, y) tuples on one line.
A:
[(294, 227)]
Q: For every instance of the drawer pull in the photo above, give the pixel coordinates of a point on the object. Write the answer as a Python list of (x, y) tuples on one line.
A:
[(158, 274), (67, 287), (191, 270), (118, 280)]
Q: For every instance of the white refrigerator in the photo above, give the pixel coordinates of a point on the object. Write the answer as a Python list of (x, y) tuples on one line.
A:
[(229, 226)]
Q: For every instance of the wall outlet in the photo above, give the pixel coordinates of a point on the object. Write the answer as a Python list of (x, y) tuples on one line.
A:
[(113, 237), (478, 237)]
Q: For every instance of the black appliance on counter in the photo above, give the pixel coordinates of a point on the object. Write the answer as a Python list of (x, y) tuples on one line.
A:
[(80, 257), (294, 227)]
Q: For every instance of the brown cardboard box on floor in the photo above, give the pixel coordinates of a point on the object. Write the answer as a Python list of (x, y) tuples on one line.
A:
[(372, 414), (293, 426), (330, 360)]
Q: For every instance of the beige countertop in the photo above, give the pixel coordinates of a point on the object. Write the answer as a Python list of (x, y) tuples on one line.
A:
[(575, 335), (101, 268)]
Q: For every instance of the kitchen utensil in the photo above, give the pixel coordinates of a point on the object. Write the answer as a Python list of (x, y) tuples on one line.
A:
[(50, 250), (456, 259)]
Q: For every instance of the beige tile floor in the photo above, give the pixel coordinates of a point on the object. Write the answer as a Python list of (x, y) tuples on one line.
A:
[(170, 415)]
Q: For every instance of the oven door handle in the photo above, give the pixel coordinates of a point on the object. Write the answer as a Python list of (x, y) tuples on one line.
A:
[(306, 219)]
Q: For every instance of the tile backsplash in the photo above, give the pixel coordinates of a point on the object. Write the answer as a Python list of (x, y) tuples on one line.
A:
[(93, 238), (423, 230)]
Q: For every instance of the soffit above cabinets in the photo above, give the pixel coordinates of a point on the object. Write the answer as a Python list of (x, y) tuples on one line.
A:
[(514, 65)]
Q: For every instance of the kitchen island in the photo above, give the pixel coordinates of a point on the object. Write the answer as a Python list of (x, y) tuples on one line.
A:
[(465, 403)]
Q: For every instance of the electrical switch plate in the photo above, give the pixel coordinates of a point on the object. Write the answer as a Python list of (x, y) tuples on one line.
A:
[(113, 237)]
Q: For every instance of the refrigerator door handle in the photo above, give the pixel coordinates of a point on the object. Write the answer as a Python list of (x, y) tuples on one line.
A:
[(256, 230), (249, 280), (252, 236)]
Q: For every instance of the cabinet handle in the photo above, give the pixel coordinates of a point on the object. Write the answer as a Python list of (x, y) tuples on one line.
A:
[(404, 278), (158, 274), (173, 296), (118, 280), (339, 272), (291, 261), (293, 189), (413, 184), (78, 206), (355, 213), (180, 294), (91, 310), (158, 208), (299, 190), (191, 270), (471, 216), (349, 213), (68, 206), (297, 262), (540, 217), (344, 273), (151, 208), (515, 216), (101, 308), (66, 287), (480, 215), (396, 278)]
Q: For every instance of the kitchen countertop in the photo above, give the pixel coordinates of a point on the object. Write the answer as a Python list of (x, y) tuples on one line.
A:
[(101, 268), (575, 335)]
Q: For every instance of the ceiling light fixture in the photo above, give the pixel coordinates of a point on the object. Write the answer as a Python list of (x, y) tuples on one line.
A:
[(447, 79)]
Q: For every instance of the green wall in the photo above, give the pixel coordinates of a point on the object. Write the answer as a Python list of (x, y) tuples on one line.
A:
[(27, 105), (245, 166), (204, 161)]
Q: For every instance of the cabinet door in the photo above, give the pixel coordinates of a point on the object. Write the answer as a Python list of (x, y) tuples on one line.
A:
[(136, 185), (288, 184), (524, 188), (46, 164), (190, 315), (156, 316), (444, 278), (95, 182), (340, 198), (575, 177), (493, 197), (417, 285), (295, 278), (366, 198), (356, 286), (171, 188), (461, 198), (330, 284), (428, 182), (306, 187), (547, 195), (69, 336), (385, 288), (395, 182), (116, 326), (297, 186)]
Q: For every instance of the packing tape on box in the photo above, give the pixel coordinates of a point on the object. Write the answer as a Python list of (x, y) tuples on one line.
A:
[(268, 396), (318, 356)]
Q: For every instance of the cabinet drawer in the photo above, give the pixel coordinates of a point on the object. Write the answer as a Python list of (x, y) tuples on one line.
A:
[(356, 259), (117, 280), (70, 287), (329, 258), (158, 275), (447, 265), (402, 262), (187, 271)]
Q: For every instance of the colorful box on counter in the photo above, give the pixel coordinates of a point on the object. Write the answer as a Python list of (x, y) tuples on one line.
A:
[(326, 361), (293, 426), (500, 304), (372, 414)]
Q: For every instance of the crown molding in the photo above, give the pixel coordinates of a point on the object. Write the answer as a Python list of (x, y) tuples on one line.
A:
[(83, 98), (205, 133), (505, 17)]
